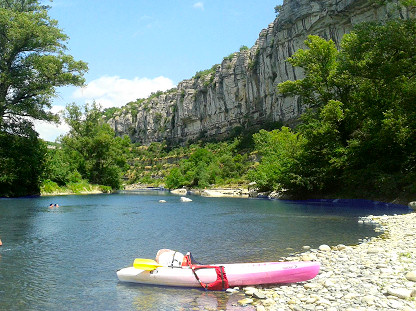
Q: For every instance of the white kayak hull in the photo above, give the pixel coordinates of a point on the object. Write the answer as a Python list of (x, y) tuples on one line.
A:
[(239, 274)]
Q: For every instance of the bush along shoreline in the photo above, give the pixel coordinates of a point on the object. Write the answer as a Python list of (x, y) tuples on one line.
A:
[(50, 188)]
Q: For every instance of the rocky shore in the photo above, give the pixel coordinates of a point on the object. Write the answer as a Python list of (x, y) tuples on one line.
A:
[(379, 274)]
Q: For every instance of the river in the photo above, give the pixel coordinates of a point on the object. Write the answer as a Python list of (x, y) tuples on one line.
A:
[(66, 257)]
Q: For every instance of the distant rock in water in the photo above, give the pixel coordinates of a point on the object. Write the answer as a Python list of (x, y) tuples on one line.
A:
[(184, 199), (241, 91), (182, 191)]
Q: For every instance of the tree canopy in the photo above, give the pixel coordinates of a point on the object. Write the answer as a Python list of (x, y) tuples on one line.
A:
[(359, 132), (22, 162), (91, 148), (33, 64)]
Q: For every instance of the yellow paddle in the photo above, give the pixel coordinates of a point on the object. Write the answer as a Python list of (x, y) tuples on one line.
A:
[(146, 264)]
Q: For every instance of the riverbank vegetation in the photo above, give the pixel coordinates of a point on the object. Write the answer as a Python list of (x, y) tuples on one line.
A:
[(199, 165), (356, 138), (78, 187), (89, 153), (33, 63), (358, 134)]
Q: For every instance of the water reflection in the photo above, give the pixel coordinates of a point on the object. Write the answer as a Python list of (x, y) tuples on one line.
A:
[(148, 297)]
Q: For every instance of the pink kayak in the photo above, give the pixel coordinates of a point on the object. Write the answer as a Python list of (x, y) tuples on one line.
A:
[(238, 274)]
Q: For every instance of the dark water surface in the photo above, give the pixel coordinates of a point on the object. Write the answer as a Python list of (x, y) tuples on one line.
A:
[(66, 258)]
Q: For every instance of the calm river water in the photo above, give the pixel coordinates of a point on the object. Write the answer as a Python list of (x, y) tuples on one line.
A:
[(66, 258)]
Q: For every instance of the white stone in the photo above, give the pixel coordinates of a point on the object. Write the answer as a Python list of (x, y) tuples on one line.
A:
[(341, 247), (402, 293), (311, 300), (268, 301), (310, 285), (181, 191), (245, 301), (369, 300), (329, 283), (411, 276), (374, 250), (259, 295), (249, 292), (350, 296), (231, 290), (324, 248), (308, 257), (185, 199)]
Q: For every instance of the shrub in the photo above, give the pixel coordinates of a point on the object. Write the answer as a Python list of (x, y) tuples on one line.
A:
[(49, 186)]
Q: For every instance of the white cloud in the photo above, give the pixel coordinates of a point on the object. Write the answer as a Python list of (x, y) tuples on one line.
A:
[(50, 131), (107, 92), (116, 92), (198, 5)]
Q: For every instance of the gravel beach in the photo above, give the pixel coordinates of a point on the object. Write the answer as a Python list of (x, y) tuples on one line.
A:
[(378, 274)]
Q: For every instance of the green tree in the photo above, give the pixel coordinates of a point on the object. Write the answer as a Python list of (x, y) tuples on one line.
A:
[(320, 164), (175, 179), (32, 64), (279, 151), (379, 63), (92, 147), (278, 9), (196, 168), (320, 65), (215, 163), (360, 124), (22, 161), (59, 167)]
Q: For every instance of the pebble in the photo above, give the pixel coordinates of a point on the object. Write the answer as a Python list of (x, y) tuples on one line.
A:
[(377, 274), (245, 301), (325, 248), (411, 276), (259, 295), (231, 290)]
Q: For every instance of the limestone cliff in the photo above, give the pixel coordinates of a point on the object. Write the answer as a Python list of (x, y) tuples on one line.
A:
[(241, 91)]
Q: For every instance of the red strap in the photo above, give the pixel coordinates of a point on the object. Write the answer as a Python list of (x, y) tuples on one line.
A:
[(221, 283)]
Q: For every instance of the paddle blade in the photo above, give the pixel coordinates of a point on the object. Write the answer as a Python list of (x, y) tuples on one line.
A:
[(145, 264)]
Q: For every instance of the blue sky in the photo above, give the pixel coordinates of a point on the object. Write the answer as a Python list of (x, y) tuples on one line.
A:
[(135, 47)]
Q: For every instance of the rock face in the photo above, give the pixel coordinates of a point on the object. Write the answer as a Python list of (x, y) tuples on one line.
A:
[(241, 91)]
